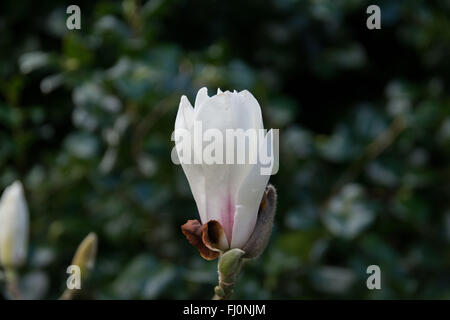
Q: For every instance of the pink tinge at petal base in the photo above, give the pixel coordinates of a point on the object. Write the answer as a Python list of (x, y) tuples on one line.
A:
[(227, 217)]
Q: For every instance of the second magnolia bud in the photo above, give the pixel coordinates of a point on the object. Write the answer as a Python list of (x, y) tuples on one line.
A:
[(14, 227)]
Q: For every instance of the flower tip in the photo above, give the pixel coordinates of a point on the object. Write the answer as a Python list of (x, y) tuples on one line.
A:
[(202, 96), (184, 102), (16, 188), (86, 253), (203, 92), (185, 113), (92, 238)]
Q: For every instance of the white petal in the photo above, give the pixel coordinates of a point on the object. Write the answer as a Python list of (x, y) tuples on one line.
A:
[(253, 105), (188, 111), (193, 172), (248, 201), (220, 196), (196, 180), (219, 91), (185, 115), (202, 96)]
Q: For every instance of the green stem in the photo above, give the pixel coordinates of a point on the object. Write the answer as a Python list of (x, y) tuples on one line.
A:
[(229, 267)]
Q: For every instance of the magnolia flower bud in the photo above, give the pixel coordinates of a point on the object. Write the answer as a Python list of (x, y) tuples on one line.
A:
[(86, 253), (228, 195), (14, 222), (84, 259)]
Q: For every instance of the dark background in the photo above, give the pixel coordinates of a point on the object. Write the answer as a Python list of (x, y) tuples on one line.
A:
[(364, 118)]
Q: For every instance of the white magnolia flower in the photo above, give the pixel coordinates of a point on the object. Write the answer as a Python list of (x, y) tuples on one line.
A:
[(229, 194), (13, 226)]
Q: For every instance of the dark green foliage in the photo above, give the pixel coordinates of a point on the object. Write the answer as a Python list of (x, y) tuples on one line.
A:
[(364, 116)]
